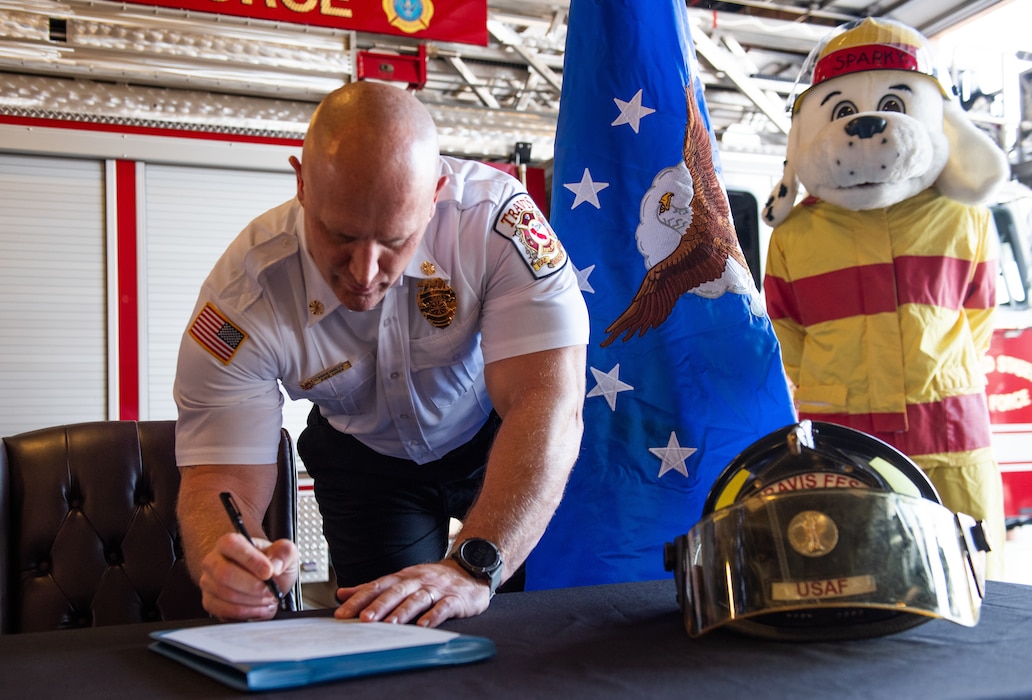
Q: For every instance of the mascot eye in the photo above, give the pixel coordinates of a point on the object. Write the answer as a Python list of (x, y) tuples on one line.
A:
[(843, 109), (891, 103)]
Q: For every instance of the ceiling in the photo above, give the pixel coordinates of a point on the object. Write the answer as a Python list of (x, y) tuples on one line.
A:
[(104, 61)]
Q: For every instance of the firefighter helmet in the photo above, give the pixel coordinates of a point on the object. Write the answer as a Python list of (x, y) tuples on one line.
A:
[(821, 532)]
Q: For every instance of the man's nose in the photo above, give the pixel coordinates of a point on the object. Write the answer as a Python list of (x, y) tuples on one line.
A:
[(364, 263)]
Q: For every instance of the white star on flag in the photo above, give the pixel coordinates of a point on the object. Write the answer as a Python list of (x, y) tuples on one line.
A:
[(586, 190), (582, 278), (608, 385), (631, 112), (673, 455)]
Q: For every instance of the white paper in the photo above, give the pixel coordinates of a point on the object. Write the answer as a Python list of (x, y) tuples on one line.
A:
[(302, 638)]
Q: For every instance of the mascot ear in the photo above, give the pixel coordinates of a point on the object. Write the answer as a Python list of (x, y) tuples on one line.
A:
[(976, 166), (782, 199)]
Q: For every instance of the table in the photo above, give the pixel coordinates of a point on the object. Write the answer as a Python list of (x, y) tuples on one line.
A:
[(614, 641)]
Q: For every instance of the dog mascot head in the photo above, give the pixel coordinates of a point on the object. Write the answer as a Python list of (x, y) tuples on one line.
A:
[(877, 126)]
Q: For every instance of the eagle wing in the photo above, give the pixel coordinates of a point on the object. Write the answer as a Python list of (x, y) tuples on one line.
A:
[(702, 253)]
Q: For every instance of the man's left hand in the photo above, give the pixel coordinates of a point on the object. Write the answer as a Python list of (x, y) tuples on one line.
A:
[(432, 593)]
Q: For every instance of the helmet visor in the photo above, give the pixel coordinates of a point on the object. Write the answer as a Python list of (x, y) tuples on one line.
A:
[(838, 551)]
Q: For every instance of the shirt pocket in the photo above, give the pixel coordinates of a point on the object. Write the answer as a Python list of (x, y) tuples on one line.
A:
[(345, 392), (445, 366)]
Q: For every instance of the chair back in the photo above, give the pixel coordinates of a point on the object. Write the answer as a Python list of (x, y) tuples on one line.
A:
[(88, 530)]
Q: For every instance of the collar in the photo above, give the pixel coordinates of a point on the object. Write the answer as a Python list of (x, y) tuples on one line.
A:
[(424, 265), (320, 301)]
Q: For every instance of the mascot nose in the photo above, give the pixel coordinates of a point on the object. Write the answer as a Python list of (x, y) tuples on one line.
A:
[(866, 127)]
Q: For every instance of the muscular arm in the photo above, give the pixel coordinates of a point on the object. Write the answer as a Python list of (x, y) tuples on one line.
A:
[(540, 398), (228, 570)]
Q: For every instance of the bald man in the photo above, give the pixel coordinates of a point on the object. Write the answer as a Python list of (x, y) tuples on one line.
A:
[(426, 308)]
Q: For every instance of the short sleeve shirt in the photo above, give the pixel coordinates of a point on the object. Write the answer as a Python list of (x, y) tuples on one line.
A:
[(489, 281)]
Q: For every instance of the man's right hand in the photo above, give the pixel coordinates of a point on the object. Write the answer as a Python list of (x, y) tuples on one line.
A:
[(233, 576), (229, 570)]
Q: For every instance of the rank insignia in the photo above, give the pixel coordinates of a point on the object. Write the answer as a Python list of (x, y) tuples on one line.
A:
[(316, 307), (428, 268), (523, 223), (436, 302)]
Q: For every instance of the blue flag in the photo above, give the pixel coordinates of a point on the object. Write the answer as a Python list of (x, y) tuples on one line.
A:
[(684, 369)]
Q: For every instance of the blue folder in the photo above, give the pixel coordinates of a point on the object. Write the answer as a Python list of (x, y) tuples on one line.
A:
[(270, 673)]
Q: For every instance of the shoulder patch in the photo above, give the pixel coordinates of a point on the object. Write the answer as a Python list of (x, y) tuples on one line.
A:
[(217, 334), (525, 226)]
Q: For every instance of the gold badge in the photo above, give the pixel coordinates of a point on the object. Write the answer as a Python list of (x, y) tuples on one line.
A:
[(428, 268), (812, 533), (436, 302), (316, 307)]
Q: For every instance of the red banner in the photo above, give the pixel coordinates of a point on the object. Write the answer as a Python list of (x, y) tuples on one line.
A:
[(463, 21)]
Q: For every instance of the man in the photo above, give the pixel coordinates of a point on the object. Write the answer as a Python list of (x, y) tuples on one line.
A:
[(422, 303)]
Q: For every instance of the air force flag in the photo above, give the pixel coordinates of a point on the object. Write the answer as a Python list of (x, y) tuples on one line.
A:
[(684, 367)]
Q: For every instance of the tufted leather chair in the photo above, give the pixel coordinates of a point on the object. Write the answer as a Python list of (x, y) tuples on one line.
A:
[(88, 532)]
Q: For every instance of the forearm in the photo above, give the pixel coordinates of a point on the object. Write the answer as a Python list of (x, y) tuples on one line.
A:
[(202, 519), (530, 462)]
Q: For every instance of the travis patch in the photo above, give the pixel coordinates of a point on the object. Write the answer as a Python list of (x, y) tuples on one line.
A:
[(523, 223), (217, 334)]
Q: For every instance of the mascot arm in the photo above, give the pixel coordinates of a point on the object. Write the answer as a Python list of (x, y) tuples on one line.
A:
[(980, 304), (782, 308)]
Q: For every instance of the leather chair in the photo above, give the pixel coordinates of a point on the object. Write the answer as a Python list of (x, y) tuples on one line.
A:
[(88, 532)]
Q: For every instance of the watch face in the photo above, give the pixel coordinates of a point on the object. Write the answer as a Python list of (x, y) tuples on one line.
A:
[(480, 553)]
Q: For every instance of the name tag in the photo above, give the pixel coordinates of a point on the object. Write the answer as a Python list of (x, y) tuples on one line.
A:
[(307, 384)]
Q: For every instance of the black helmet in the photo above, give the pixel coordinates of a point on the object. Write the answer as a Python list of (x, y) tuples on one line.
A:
[(822, 532)]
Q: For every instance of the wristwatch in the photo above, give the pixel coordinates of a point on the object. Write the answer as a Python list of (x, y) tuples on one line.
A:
[(481, 559)]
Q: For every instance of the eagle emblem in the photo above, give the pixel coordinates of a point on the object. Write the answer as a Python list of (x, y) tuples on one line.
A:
[(695, 239)]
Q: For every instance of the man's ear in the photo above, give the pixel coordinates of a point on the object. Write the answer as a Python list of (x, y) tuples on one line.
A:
[(296, 165), (976, 166)]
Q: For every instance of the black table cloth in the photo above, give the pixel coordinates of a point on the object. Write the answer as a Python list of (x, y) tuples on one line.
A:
[(614, 641)]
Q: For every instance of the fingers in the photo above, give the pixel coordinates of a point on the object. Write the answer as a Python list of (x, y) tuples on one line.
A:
[(428, 594), (234, 573)]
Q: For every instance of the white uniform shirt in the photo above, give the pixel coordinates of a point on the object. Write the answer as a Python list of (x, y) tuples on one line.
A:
[(388, 376)]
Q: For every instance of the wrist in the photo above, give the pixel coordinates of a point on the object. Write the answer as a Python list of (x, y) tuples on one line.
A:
[(482, 560)]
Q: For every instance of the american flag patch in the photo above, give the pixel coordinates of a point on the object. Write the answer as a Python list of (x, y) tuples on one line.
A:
[(217, 334)]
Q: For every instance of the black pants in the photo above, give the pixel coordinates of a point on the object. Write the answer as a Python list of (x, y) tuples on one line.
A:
[(381, 514)]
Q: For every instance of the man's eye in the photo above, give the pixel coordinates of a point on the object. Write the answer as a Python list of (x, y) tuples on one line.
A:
[(891, 103), (843, 109)]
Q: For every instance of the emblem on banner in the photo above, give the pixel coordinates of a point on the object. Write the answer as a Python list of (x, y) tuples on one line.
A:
[(524, 224), (409, 16), (436, 302)]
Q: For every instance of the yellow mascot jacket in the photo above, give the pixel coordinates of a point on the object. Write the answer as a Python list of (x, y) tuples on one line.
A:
[(884, 318)]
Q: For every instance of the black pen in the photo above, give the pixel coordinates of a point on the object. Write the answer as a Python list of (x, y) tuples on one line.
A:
[(238, 523)]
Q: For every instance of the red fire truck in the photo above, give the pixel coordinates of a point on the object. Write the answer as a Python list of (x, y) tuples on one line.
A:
[(1009, 361)]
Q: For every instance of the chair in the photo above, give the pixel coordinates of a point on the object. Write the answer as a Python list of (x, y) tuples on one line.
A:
[(88, 532)]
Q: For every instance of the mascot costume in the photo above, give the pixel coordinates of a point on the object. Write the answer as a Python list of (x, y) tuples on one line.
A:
[(881, 282)]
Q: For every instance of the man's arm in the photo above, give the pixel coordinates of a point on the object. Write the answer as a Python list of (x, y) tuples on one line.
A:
[(230, 572), (540, 397)]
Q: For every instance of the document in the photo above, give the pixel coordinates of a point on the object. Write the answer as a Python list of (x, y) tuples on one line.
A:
[(306, 650)]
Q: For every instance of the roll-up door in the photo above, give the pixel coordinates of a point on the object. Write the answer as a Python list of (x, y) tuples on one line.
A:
[(53, 321)]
